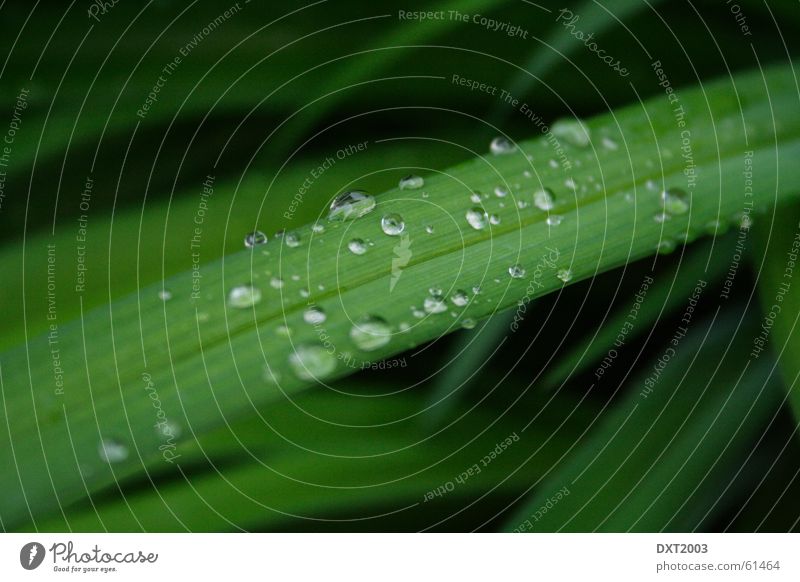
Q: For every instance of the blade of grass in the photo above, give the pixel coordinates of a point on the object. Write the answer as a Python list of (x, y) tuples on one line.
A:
[(207, 362)]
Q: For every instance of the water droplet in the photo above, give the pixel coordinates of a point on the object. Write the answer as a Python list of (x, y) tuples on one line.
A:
[(675, 201), (165, 295), (500, 192), (477, 218), (544, 199), (169, 429), (244, 296), (661, 217), (304, 293), (370, 333), (435, 303), (312, 362), (476, 290), (318, 228), (314, 315), (254, 239), (295, 277), (716, 227), (745, 222), (564, 275), (554, 219), (283, 330), (516, 272), (417, 312), (429, 229), (666, 246), (468, 323), (351, 205), (276, 282), (501, 145), (475, 197), (357, 246), (112, 451), (292, 240), (522, 205), (572, 131), (570, 183), (494, 219), (271, 376), (609, 144), (460, 298), (392, 224), (411, 182)]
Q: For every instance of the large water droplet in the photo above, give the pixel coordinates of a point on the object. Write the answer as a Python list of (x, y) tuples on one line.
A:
[(370, 333), (411, 182), (435, 303), (675, 201), (392, 224), (477, 218), (516, 271), (572, 131), (311, 362), (460, 298), (544, 199), (501, 145), (357, 246), (351, 205), (244, 296), (314, 315), (254, 239), (112, 451)]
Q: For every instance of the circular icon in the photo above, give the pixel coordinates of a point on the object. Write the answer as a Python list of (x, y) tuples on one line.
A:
[(31, 555)]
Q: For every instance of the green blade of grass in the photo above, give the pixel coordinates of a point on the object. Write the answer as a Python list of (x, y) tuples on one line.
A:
[(207, 362)]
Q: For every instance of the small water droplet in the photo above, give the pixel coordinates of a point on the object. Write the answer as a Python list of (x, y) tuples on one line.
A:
[(494, 219), (675, 201), (435, 303), (292, 240), (429, 229), (544, 199), (392, 224), (468, 323), (516, 272), (476, 290), (283, 330), (417, 312), (564, 275), (112, 451), (501, 145), (276, 282), (477, 218), (411, 182), (572, 131), (244, 296), (165, 295), (370, 333), (570, 183), (609, 144), (318, 228), (666, 246), (351, 205), (500, 191), (312, 362), (304, 293), (271, 375), (554, 219), (745, 221), (314, 315), (254, 239), (475, 197), (357, 246), (460, 298)]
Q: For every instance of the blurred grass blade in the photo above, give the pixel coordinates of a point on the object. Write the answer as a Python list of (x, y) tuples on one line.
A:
[(776, 249), (663, 456), (85, 389)]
